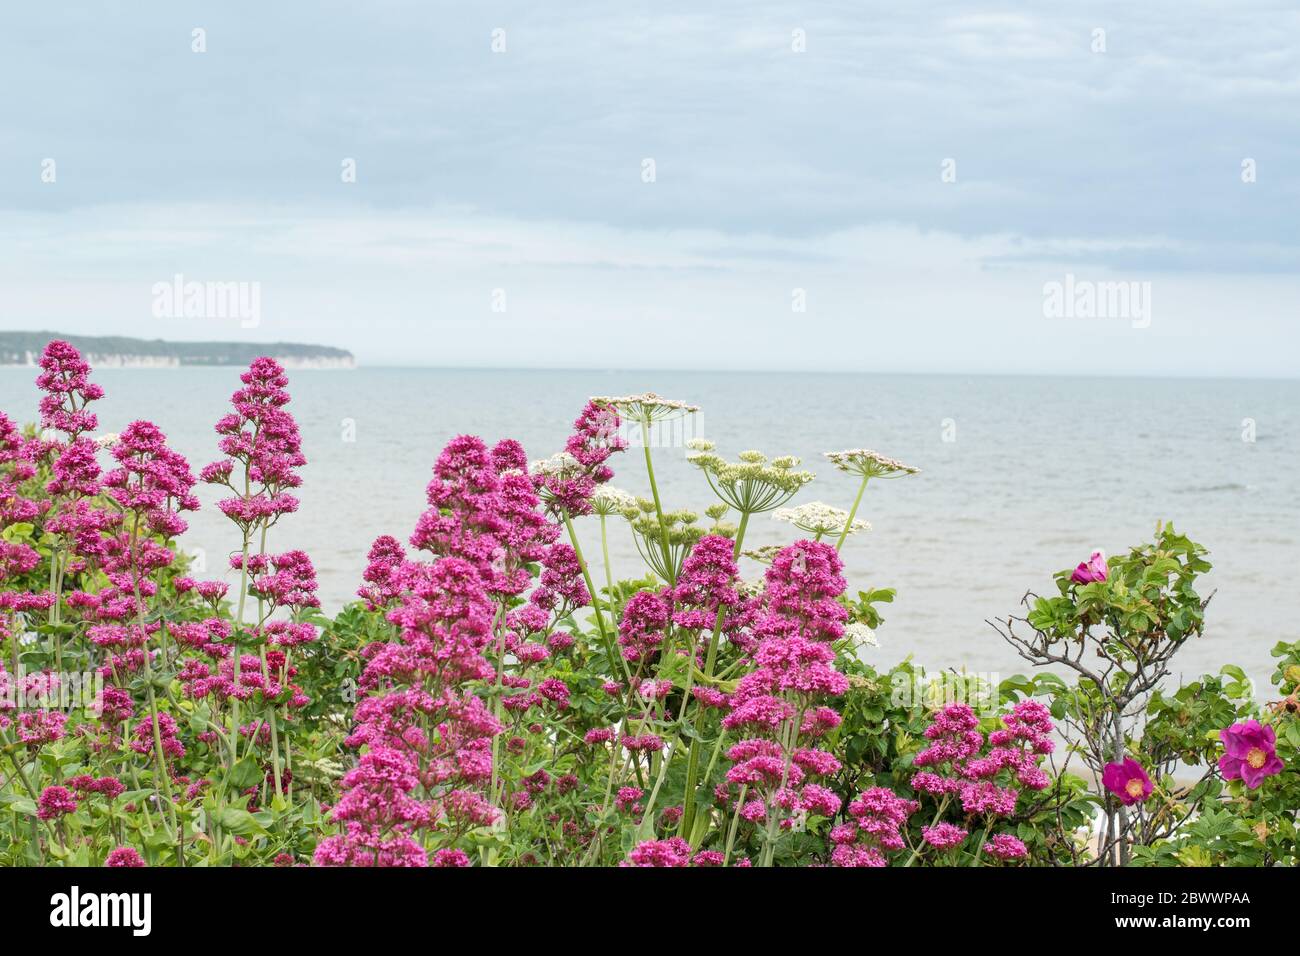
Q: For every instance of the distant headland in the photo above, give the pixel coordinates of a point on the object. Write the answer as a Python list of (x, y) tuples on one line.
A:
[(116, 351)]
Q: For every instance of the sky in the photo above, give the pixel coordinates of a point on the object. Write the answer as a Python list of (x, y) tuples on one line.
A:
[(964, 187)]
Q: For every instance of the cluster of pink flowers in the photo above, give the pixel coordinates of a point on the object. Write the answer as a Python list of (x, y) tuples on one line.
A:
[(778, 704), (958, 762), (673, 852), (641, 630), (483, 529), (595, 438), (874, 828), (55, 802), (982, 776), (129, 623), (263, 438)]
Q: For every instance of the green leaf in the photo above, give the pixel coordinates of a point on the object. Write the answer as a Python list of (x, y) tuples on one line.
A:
[(19, 804), (239, 821), (245, 774)]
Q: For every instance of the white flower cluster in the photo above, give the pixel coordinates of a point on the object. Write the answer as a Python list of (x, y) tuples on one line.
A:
[(869, 464), (559, 465), (607, 500), (817, 517), (648, 407), (860, 635)]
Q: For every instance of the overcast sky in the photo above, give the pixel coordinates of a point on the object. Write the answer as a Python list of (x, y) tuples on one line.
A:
[(840, 185)]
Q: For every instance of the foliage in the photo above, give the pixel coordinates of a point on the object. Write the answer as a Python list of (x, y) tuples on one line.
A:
[(495, 697)]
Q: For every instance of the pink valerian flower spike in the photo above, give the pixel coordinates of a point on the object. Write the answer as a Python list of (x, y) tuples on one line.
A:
[(1005, 847), (262, 437), (794, 670), (151, 480), (65, 380), (876, 819), (124, 856), (386, 555), (567, 482)]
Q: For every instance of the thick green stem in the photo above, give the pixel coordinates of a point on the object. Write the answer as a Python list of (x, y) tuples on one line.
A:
[(848, 522), (164, 779), (609, 580), (616, 662), (669, 570), (735, 823), (235, 653)]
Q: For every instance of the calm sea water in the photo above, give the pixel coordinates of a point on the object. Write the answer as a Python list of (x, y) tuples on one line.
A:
[(1037, 473)]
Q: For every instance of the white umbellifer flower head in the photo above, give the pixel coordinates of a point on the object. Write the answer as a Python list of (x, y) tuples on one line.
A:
[(646, 408), (861, 635), (819, 518), (753, 484), (106, 440), (869, 464), (606, 500), (559, 465)]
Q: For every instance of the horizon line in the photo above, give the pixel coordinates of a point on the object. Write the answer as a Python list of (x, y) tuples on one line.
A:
[(613, 370)]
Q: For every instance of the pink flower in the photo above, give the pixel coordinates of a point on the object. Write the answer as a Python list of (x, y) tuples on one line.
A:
[(1250, 753), (124, 856), (1004, 846), (55, 802), (642, 629), (673, 852), (1094, 569), (65, 379), (876, 818), (448, 857), (595, 438), (944, 836), (707, 582), (1127, 780), (263, 438)]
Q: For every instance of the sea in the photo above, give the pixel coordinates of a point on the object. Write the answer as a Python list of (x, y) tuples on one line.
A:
[(1020, 477)]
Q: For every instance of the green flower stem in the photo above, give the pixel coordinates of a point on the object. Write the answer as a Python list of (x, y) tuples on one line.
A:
[(979, 846), (609, 581), (735, 823), (790, 738), (648, 815), (669, 571), (163, 782), (616, 662), (943, 805), (266, 676), (239, 623), (848, 522), (497, 709)]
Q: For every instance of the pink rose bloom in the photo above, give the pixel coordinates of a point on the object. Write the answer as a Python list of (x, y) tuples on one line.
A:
[(1249, 753), (1127, 780), (1094, 569)]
